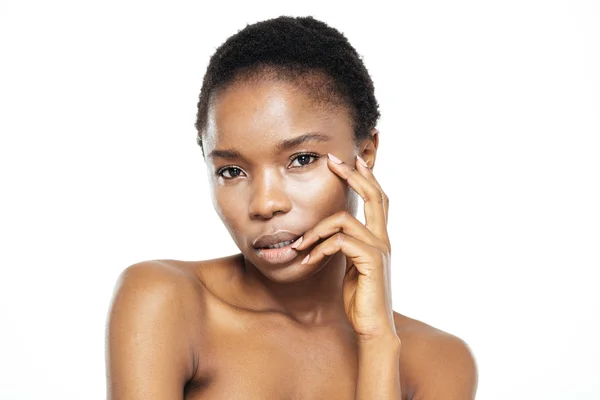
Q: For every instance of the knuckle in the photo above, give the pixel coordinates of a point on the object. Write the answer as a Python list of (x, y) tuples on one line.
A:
[(387, 249), (370, 195), (339, 238), (384, 248), (376, 195), (385, 198), (343, 216)]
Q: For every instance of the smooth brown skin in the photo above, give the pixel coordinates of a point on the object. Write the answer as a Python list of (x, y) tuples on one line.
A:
[(239, 328)]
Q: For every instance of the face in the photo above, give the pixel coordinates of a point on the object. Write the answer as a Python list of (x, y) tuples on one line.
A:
[(266, 150)]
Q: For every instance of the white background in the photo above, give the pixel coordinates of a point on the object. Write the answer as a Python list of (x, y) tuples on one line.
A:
[(490, 144)]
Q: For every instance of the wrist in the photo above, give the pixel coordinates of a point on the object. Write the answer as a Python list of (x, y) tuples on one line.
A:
[(379, 368), (389, 341)]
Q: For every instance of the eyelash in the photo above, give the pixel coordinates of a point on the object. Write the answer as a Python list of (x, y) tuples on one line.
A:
[(292, 158)]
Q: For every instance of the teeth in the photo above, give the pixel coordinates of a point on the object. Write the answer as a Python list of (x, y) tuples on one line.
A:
[(280, 245)]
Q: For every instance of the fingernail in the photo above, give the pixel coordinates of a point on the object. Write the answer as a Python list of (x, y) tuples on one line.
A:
[(334, 158), (297, 243), (305, 259), (363, 162)]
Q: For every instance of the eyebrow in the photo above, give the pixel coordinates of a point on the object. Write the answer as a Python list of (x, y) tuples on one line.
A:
[(228, 154), (283, 145)]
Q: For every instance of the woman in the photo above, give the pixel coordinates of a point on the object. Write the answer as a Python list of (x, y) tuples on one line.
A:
[(286, 124)]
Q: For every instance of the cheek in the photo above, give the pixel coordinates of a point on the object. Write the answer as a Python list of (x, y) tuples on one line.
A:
[(325, 194), (228, 209), (227, 206)]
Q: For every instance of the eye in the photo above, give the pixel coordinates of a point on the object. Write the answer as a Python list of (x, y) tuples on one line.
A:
[(304, 159), (229, 172)]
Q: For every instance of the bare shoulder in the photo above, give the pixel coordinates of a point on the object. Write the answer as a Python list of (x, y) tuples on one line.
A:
[(157, 283), (436, 364), (148, 335), (156, 273)]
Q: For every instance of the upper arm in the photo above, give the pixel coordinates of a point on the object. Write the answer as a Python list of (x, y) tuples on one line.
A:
[(449, 372), (147, 345)]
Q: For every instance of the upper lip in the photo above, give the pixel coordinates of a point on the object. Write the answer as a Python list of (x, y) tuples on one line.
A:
[(274, 238)]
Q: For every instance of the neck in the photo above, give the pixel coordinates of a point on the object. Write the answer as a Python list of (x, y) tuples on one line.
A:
[(316, 300)]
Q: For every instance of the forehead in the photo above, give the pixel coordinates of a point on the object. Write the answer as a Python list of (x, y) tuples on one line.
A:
[(245, 115)]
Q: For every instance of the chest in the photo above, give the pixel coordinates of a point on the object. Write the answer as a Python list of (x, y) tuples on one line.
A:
[(268, 361)]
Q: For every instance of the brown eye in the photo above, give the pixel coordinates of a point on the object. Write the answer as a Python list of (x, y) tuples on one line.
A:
[(303, 160), (230, 172)]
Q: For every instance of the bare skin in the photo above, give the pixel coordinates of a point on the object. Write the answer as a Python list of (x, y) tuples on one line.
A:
[(243, 327)]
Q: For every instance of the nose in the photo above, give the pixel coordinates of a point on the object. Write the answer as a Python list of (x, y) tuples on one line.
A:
[(269, 196)]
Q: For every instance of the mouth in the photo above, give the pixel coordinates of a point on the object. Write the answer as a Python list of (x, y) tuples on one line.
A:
[(280, 252), (276, 248), (276, 240), (278, 245)]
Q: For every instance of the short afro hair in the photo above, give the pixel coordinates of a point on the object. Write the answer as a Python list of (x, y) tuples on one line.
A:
[(302, 50)]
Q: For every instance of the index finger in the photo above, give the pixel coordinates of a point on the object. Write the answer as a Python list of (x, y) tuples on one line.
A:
[(368, 173), (375, 218)]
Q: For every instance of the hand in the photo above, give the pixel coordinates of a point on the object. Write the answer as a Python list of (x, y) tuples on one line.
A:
[(367, 285)]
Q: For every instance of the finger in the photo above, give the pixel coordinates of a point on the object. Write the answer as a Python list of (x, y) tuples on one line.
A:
[(363, 168), (341, 221), (363, 256), (371, 195)]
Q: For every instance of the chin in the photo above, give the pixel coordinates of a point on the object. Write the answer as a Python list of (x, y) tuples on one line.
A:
[(290, 272)]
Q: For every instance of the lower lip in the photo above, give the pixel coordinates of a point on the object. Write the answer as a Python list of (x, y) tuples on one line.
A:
[(278, 256)]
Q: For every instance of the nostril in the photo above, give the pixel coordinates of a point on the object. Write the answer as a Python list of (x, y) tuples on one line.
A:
[(268, 199), (265, 214), (267, 211)]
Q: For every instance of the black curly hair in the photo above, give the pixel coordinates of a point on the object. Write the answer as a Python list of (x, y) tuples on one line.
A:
[(302, 50)]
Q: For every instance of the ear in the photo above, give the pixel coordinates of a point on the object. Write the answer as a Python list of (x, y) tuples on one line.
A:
[(367, 149)]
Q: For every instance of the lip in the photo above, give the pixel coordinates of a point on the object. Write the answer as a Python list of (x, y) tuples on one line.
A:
[(282, 255), (273, 238)]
